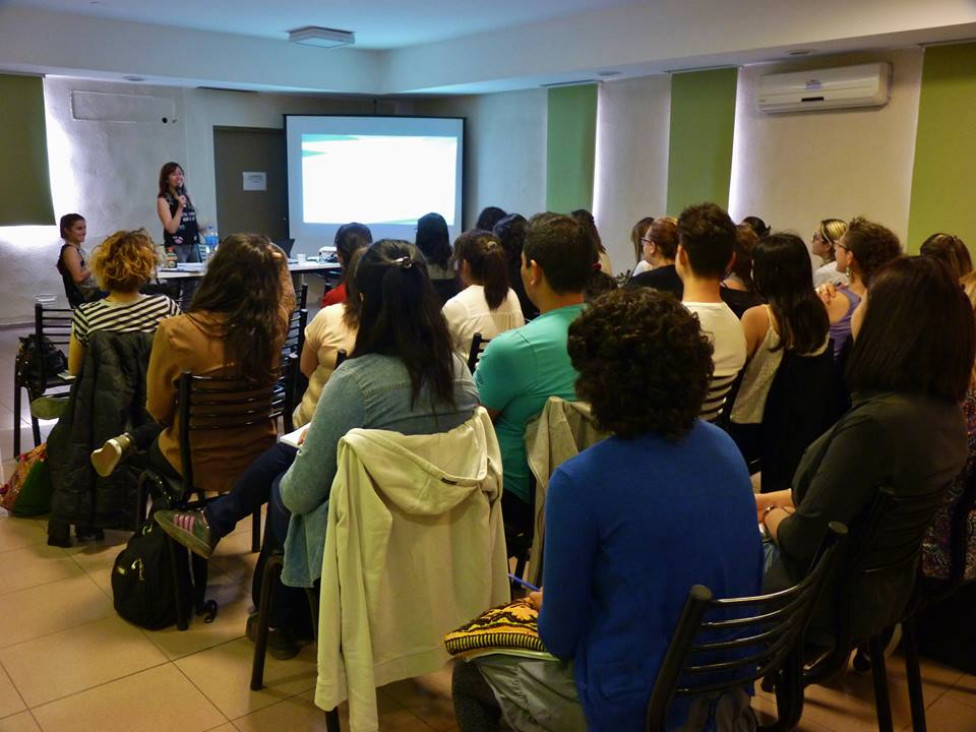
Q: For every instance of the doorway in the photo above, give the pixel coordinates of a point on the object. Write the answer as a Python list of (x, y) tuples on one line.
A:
[(246, 200)]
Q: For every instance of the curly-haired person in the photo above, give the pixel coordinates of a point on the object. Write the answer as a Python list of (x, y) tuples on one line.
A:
[(631, 524), (122, 264)]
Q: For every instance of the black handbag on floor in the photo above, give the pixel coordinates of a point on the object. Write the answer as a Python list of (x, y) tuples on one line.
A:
[(142, 580)]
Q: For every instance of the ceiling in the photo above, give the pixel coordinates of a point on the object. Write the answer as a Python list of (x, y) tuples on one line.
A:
[(378, 24)]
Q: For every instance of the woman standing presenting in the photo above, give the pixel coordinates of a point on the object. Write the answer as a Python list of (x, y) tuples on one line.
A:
[(180, 231)]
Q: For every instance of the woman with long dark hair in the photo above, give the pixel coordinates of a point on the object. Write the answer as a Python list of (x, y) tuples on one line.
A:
[(794, 320), (348, 239), (402, 376), (486, 305), (910, 367), (181, 233), (234, 327), (434, 242)]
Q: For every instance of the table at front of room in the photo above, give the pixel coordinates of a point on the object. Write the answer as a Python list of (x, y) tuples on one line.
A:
[(183, 274)]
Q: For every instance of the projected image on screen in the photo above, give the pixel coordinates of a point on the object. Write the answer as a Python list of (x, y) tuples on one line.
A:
[(377, 179)]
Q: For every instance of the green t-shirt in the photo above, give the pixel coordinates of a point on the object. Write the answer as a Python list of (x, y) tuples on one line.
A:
[(518, 372)]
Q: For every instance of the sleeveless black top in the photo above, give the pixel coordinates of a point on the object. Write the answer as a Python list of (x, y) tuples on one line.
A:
[(188, 231), (76, 292)]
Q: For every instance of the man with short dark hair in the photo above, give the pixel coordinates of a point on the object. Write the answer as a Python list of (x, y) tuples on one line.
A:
[(706, 243), (522, 368)]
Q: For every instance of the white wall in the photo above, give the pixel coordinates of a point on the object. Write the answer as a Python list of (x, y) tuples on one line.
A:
[(633, 123), (505, 149), (108, 170), (795, 169)]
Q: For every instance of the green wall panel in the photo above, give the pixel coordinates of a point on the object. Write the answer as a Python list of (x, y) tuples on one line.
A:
[(945, 147), (25, 185), (571, 147), (702, 123)]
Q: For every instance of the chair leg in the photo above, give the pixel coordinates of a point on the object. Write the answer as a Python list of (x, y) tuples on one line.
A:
[(256, 531), (881, 700), (332, 720), (182, 622), (17, 410), (272, 570), (36, 429), (915, 694)]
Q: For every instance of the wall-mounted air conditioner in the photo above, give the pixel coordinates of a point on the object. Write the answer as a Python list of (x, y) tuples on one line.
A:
[(867, 85)]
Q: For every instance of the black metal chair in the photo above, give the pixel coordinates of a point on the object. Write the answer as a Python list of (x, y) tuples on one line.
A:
[(292, 348), (53, 324), (208, 404), (478, 344), (886, 540), (720, 645), (301, 297)]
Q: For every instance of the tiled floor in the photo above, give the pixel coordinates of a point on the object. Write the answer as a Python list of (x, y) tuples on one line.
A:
[(68, 662)]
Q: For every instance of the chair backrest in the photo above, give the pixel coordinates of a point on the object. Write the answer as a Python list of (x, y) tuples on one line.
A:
[(718, 392), (478, 344), (722, 644), (799, 409), (55, 325), (301, 296), (960, 527), (341, 356), (885, 539), (295, 335), (213, 403)]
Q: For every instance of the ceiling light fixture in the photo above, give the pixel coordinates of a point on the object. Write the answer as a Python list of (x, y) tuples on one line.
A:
[(312, 35)]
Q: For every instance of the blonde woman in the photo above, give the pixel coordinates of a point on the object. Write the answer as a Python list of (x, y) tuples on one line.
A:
[(122, 265), (824, 245)]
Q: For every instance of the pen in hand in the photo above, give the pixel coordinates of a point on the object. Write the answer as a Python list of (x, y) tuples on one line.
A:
[(520, 581)]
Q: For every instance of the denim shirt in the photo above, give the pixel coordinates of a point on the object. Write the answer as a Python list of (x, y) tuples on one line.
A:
[(373, 392)]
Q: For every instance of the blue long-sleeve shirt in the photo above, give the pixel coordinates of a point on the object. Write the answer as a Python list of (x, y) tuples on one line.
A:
[(631, 525)]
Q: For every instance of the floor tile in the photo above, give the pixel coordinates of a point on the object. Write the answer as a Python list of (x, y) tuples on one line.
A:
[(297, 713), (964, 692), (948, 715), (23, 722), (16, 533), (228, 727), (10, 700), (51, 608), (429, 697), (34, 565), (223, 673), (158, 700), (64, 663)]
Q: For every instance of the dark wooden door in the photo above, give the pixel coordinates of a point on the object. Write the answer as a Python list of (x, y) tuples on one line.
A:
[(240, 150)]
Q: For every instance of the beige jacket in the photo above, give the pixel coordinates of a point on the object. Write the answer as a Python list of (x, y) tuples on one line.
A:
[(562, 430), (414, 547)]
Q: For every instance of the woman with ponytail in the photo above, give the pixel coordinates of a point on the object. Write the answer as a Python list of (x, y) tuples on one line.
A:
[(486, 305), (401, 376)]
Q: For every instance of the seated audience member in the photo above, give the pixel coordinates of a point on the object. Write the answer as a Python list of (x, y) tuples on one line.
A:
[(333, 329), (706, 245), (640, 239), (589, 223), (794, 321), (862, 251), (348, 239), (434, 242), (936, 559), (598, 284), (510, 232), (122, 265), (235, 327), (611, 600), (660, 248), (911, 364), (951, 250), (489, 216), (824, 245), (759, 226), (522, 368), (402, 376), (486, 305), (738, 289), (79, 284)]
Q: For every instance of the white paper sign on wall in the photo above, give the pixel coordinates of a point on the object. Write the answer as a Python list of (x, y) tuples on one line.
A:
[(255, 181)]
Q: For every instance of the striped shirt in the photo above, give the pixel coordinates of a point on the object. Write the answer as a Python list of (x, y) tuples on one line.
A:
[(725, 333), (139, 316)]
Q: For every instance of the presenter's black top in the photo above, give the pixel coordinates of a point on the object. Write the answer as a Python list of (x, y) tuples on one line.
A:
[(186, 238)]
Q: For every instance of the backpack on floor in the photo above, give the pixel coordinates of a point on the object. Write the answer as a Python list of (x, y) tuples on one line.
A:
[(142, 580)]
